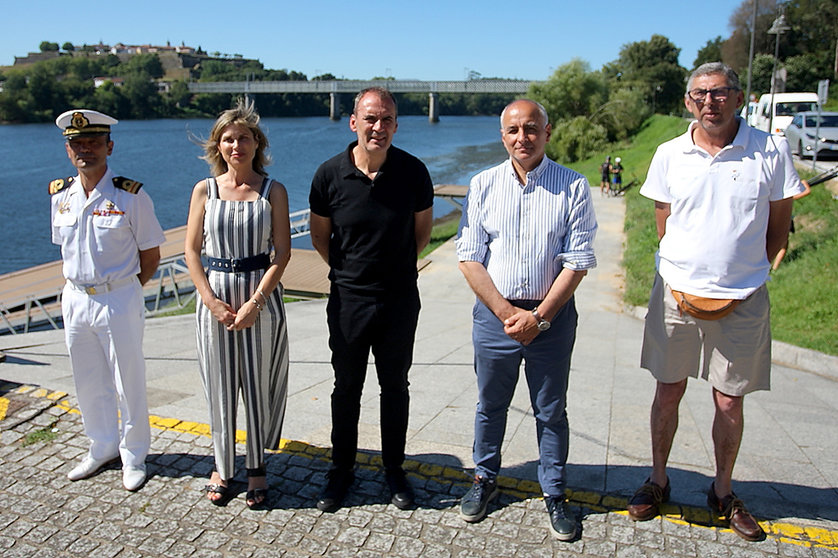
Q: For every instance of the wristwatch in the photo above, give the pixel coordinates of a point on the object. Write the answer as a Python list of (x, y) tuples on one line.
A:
[(543, 325)]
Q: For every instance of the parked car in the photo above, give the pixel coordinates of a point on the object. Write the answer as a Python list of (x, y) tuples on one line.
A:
[(775, 111), (801, 133)]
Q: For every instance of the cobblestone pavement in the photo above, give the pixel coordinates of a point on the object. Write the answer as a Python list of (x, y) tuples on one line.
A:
[(43, 514)]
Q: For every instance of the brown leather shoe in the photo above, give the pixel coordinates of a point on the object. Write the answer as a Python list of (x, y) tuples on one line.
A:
[(646, 501), (733, 509)]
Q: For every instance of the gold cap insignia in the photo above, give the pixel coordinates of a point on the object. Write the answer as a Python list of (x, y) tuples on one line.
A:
[(79, 121)]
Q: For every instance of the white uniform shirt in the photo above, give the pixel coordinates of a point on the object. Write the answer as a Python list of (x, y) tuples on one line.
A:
[(101, 235), (714, 244), (525, 234)]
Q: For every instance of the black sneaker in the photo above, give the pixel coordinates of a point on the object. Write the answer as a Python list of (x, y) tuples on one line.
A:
[(562, 521), (336, 488), (400, 490), (473, 505)]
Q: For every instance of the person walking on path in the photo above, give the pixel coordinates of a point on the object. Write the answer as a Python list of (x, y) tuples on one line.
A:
[(525, 242), (371, 215), (110, 243), (240, 219), (616, 176), (723, 197), (605, 176)]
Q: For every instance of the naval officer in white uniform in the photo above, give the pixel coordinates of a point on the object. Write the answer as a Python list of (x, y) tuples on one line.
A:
[(110, 243)]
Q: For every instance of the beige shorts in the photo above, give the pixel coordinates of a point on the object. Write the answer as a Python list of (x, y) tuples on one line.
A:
[(733, 353)]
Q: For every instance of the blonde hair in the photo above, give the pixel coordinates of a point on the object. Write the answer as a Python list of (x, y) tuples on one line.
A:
[(243, 114)]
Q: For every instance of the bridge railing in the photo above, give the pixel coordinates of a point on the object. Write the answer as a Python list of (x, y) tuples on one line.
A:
[(353, 86), (300, 223)]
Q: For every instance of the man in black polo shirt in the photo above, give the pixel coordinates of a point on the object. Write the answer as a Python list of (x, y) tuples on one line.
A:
[(371, 215)]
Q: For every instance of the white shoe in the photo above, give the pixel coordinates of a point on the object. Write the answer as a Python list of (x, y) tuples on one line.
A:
[(88, 466), (133, 477)]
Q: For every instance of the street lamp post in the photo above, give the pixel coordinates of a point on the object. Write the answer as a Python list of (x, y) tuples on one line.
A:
[(777, 28), (751, 64)]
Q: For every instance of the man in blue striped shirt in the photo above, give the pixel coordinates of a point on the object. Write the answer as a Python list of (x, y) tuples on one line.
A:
[(525, 242)]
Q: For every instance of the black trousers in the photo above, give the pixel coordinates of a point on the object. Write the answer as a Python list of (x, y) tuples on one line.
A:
[(386, 325)]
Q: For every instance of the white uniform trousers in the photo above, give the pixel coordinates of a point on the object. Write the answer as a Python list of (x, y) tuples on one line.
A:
[(104, 334)]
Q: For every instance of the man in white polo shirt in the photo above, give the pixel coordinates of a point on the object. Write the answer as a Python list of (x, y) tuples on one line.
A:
[(723, 198), (110, 239)]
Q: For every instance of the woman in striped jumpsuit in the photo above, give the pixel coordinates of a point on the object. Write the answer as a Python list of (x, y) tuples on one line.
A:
[(240, 220)]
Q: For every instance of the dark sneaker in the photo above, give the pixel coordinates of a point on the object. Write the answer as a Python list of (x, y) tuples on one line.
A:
[(473, 505), (400, 490), (734, 511), (336, 488), (645, 504), (562, 521)]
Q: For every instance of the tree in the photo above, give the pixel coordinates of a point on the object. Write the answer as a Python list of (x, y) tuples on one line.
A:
[(807, 50), (47, 46), (68, 46), (623, 114), (710, 52), (148, 64), (575, 139), (142, 94), (736, 48), (16, 103), (815, 32), (651, 67), (215, 70), (804, 71), (572, 90), (109, 99), (761, 77), (43, 87), (179, 94)]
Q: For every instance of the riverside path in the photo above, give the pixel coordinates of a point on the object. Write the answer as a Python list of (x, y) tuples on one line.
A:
[(787, 471)]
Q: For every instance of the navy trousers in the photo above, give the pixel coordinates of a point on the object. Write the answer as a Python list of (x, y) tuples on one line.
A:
[(497, 361)]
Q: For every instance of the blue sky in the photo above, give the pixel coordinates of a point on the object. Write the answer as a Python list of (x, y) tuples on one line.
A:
[(427, 40)]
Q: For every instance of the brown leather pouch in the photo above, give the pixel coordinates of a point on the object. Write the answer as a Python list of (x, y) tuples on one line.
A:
[(704, 308)]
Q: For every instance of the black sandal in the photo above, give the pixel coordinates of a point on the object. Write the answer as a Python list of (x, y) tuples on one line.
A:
[(223, 491), (257, 498)]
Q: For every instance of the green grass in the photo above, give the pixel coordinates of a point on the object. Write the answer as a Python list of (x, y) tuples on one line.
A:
[(47, 434), (443, 230), (804, 289), (188, 308)]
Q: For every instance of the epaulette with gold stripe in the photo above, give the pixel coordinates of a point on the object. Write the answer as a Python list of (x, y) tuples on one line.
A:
[(130, 186), (59, 184)]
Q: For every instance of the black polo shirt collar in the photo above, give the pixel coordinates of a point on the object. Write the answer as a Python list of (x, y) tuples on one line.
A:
[(348, 168)]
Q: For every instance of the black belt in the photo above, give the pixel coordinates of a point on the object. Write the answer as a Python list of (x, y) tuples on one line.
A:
[(239, 265), (526, 304)]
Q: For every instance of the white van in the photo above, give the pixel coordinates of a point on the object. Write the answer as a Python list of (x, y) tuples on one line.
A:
[(785, 106)]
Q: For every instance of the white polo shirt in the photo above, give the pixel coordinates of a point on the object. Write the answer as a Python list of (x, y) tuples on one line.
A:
[(714, 244)]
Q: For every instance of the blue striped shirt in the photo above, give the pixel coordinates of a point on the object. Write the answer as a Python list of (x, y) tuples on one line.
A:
[(525, 234)]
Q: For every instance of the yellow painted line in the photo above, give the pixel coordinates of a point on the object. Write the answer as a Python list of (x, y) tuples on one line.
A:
[(4, 406), (785, 533)]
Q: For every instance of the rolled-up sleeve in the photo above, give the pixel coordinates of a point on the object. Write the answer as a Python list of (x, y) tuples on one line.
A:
[(578, 249)]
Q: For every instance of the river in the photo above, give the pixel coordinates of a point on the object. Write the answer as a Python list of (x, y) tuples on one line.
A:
[(161, 155)]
